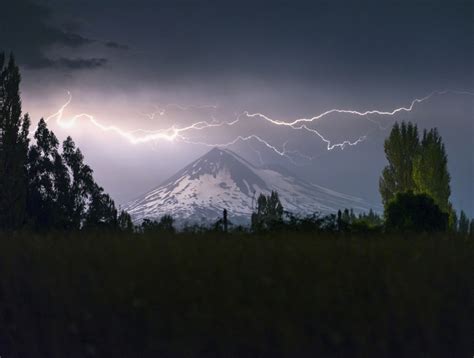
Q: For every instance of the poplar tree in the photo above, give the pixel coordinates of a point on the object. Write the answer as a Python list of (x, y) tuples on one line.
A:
[(13, 147), (430, 170), (400, 149)]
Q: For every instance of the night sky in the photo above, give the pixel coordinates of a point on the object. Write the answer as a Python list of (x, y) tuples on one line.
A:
[(212, 60)]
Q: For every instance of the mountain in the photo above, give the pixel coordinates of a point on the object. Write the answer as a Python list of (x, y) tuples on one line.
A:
[(222, 179)]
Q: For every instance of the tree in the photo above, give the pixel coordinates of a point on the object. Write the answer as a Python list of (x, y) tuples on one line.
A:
[(101, 212), (225, 221), (409, 212), (269, 212), (82, 183), (124, 222), (400, 147), (13, 147), (166, 224), (430, 170), (42, 196), (471, 229), (463, 225)]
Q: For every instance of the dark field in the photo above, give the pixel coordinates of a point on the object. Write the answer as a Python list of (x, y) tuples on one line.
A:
[(236, 296)]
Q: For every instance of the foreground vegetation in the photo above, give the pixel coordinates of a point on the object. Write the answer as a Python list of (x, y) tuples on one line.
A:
[(271, 295)]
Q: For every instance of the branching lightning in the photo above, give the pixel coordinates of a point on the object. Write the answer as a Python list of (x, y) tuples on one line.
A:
[(176, 133)]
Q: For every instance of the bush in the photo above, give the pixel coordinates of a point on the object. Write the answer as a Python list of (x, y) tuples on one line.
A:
[(414, 213)]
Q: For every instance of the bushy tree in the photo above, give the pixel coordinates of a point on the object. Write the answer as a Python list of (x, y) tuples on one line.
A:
[(409, 212), (13, 147), (400, 147), (101, 211), (165, 225), (269, 212)]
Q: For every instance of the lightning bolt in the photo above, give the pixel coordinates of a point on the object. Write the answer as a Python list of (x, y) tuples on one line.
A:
[(175, 133)]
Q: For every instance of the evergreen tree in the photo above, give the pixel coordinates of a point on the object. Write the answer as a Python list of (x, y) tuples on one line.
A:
[(400, 149), (471, 229), (13, 147), (463, 226), (430, 170)]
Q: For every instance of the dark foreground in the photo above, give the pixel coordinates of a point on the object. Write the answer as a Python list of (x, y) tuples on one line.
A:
[(245, 296)]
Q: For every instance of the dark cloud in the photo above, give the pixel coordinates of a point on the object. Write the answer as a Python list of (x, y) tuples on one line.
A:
[(28, 30), (79, 63), (116, 45), (317, 40)]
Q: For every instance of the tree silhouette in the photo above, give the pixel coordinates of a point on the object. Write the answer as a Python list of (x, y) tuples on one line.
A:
[(269, 212), (42, 193), (124, 222), (13, 147), (400, 147), (414, 213), (430, 170), (101, 211), (463, 225)]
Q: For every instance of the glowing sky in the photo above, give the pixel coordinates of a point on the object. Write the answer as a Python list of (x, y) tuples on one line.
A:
[(185, 73)]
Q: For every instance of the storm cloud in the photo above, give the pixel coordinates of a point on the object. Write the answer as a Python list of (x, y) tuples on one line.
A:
[(28, 30)]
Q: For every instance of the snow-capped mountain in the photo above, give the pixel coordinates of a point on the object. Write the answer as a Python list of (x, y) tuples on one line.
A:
[(222, 179)]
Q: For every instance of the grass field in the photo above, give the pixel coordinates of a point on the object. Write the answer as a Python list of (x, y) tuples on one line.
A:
[(236, 296)]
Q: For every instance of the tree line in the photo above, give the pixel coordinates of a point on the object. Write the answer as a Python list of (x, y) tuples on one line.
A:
[(46, 185)]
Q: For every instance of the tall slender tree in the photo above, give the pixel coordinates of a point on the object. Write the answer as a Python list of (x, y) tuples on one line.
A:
[(430, 170), (400, 149), (463, 226), (13, 147)]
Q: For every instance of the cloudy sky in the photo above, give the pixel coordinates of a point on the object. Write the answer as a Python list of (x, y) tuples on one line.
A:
[(157, 64)]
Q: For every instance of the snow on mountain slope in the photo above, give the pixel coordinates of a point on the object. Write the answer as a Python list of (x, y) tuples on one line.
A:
[(222, 179)]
